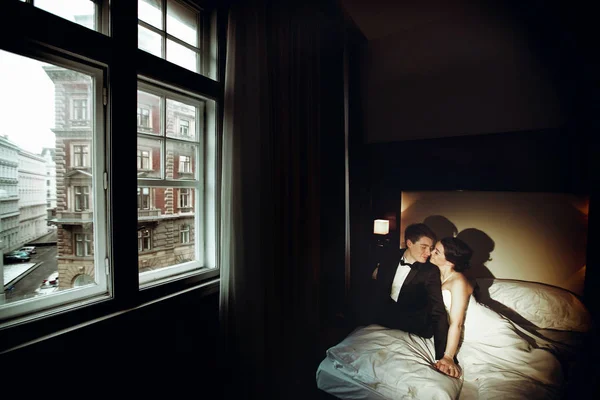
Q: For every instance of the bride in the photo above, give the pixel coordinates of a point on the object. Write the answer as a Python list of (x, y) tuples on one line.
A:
[(480, 339), (452, 256)]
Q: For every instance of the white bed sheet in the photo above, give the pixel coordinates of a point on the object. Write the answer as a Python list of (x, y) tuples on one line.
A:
[(336, 383), (332, 381)]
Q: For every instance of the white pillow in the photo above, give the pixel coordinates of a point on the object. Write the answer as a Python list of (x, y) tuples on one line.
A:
[(545, 306)]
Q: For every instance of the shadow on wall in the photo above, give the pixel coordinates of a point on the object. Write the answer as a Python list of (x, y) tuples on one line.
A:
[(481, 244)]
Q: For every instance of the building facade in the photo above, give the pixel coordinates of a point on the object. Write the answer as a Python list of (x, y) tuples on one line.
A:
[(48, 154), (32, 196), (165, 215), (9, 195)]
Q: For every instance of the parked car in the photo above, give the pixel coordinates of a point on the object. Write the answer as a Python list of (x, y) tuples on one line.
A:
[(52, 280), (49, 285), (16, 256), (28, 249)]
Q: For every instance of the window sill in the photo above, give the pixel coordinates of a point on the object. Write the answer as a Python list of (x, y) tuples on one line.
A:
[(45, 327)]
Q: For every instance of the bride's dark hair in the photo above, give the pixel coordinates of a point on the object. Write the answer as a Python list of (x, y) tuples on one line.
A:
[(457, 252)]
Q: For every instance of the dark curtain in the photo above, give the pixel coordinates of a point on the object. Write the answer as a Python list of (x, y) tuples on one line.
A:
[(282, 192)]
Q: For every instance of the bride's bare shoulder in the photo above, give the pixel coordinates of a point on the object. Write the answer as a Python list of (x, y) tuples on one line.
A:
[(461, 282)]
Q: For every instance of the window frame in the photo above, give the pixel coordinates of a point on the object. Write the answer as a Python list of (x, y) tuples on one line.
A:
[(39, 32), (84, 108), (184, 231), (84, 195), (198, 183), (85, 159), (140, 165), (24, 310), (203, 37)]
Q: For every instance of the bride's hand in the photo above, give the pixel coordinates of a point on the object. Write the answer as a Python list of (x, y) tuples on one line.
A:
[(448, 367)]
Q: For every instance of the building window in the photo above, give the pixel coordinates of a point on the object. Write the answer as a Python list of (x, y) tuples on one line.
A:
[(143, 198), (185, 198), (83, 244), (184, 127), (82, 198), (143, 117), (143, 159), (79, 109), (184, 233), (185, 164), (144, 240), (81, 155)]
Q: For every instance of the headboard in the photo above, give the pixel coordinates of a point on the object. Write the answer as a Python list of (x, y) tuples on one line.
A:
[(528, 236)]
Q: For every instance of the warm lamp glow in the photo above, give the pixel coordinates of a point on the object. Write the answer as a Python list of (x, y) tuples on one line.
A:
[(381, 227)]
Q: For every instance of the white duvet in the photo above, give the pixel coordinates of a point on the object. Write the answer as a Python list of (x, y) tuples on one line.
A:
[(498, 361)]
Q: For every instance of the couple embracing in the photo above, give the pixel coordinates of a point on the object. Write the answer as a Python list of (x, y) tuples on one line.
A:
[(421, 289)]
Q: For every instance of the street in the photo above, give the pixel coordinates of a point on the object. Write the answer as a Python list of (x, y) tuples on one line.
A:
[(26, 286)]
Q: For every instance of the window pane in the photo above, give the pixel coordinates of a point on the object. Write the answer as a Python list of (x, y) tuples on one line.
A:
[(82, 12), (160, 242), (149, 157), (181, 120), (184, 160), (182, 22), (150, 11), (181, 55), (47, 162), (148, 113), (149, 41)]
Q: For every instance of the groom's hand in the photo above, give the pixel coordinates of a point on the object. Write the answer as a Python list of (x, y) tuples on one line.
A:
[(448, 367)]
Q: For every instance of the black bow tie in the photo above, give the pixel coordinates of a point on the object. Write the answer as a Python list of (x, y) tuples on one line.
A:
[(405, 263)]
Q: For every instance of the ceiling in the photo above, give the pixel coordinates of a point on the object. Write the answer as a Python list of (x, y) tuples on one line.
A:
[(379, 18)]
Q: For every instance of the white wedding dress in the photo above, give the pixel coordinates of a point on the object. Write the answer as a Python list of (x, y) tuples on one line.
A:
[(494, 354)]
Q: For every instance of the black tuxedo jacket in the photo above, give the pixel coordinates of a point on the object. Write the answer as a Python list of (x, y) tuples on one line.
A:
[(420, 307)]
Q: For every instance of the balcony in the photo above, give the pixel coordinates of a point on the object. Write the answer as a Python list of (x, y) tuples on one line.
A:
[(73, 217), (152, 213)]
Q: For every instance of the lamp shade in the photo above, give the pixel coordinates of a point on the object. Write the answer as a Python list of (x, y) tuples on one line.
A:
[(381, 227)]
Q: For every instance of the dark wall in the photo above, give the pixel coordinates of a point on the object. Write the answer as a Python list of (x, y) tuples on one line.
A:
[(161, 344)]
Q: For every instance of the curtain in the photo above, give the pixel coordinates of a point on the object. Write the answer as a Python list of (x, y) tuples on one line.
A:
[(283, 126)]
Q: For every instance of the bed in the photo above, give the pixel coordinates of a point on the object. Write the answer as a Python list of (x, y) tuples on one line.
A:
[(374, 362)]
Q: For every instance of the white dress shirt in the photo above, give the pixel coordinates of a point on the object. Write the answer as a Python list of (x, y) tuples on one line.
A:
[(401, 273)]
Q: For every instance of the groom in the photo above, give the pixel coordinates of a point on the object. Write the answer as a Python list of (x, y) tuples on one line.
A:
[(408, 289)]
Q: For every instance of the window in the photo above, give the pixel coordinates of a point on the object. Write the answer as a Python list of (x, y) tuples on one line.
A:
[(83, 244), (83, 12), (184, 127), (143, 117), (82, 197), (173, 192), (143, 159), (184, 233), (20, 77), (67, 116), (81, 155), (143, 198), (179, 33), (185, 164), (185, 198), (144, 240), (79, 109)]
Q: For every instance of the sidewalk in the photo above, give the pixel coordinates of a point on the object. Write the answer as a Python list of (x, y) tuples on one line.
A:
[(14, 272), (48, 239)]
